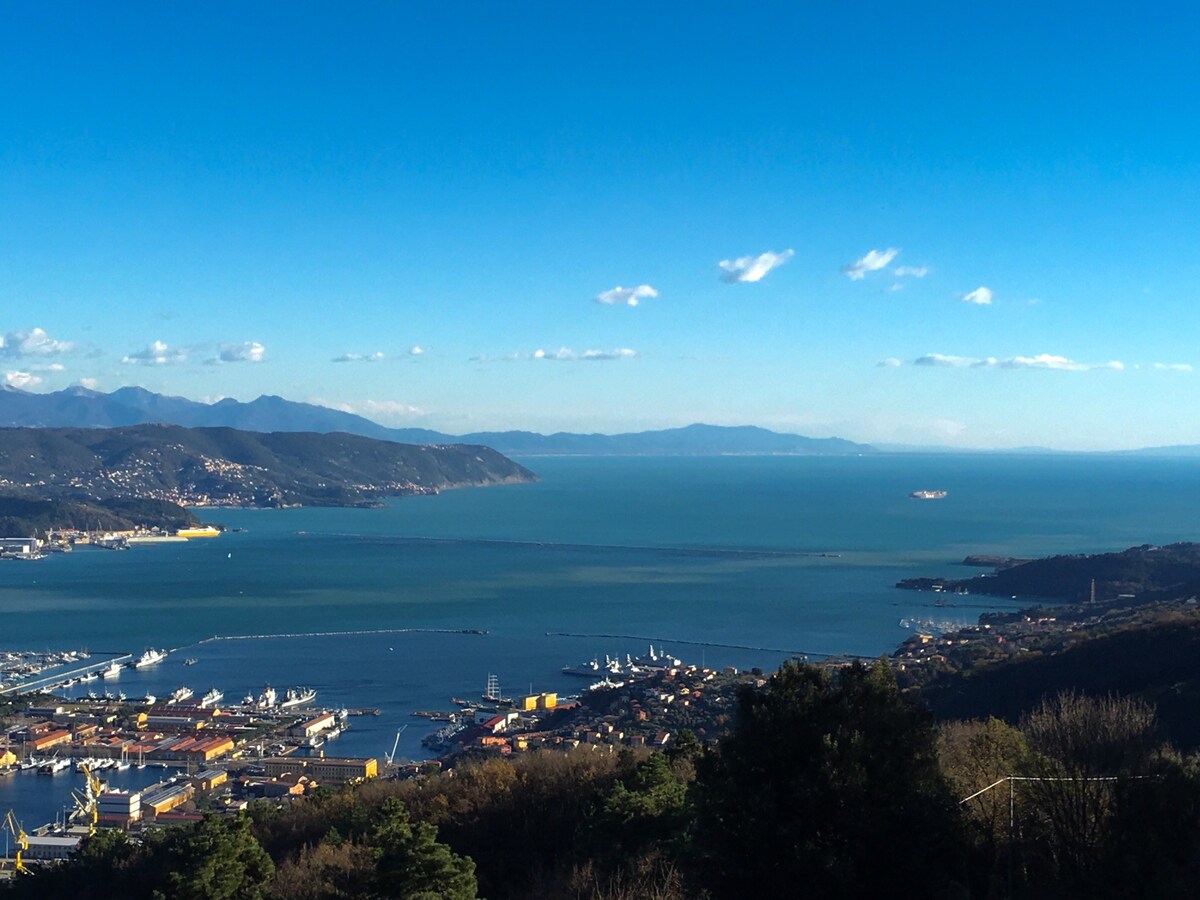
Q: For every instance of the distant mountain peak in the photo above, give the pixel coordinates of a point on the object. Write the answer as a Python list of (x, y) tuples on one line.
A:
[(78, 407)]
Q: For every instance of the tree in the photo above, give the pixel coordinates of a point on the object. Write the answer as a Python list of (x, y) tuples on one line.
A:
[(828, 786), (411, 864), (217, 859)]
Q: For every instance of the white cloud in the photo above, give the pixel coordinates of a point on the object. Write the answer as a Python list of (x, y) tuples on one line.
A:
[(890, 363), (416, 350), (32, 343), (752, 268), (568, 355), (157, 353), (21, 379), (1173, 367), (628, 296), (359, 357), (242, 351), (392, 409), (1041, 361), (981, 296), (912, 271), (872, 262), (89, 383), (942, 360)]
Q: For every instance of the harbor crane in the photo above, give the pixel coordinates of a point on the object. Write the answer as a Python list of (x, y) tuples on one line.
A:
[(396, 743), (19, 836), (88, 801)]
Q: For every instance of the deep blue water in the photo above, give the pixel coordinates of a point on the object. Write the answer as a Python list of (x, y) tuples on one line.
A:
[(599, 546)]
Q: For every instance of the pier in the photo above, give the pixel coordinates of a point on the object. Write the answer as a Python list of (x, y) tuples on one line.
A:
[(49, 682), (358, 633), (664, 641)]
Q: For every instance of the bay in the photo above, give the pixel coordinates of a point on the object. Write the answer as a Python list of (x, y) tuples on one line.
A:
[(731, 561)]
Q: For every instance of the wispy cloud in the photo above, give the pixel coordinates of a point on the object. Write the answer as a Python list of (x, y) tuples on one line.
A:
[(890, 363), (752, 268), (35, 342), (241, 351), (89, 383), (1040, 361), (872, 262), (387, 410), (358, 357), (21, 379), (563, 354), (946, 361), (628, 296), (158, 353), (567, 355), (911, 271), (981, 296), (1173, 367)]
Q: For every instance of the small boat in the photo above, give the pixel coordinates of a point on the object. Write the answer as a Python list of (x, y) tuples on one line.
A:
[(190, 661)]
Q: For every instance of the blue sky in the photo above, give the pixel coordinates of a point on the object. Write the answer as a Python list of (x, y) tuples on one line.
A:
[(224, 200)]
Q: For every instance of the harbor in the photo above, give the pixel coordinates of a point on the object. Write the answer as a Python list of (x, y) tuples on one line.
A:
[(130, 732)]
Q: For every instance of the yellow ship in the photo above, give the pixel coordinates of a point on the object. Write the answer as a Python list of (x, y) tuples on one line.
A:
[(202, 531)]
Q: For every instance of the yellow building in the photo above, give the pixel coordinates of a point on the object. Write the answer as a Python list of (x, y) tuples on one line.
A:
[(537, 701), (329, 770)]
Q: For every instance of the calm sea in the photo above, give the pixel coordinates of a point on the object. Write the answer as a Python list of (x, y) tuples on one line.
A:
[(709, 556)]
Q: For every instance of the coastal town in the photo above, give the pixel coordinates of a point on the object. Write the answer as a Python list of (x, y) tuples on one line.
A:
[(213, 756)]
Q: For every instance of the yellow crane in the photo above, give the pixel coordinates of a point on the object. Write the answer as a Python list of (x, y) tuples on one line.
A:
[(87, 802), (19, 835)]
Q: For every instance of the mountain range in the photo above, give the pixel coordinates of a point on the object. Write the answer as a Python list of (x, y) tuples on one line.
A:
[(79, 407)]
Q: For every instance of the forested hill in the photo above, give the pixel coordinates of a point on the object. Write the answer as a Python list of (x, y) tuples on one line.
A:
[(1173, 569), (222, 466)]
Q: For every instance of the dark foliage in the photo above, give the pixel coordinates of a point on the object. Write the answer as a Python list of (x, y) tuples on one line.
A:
[(828, 787)]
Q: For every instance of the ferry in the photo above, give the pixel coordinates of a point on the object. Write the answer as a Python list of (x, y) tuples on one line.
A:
[(149, 658), (200, 531), (113, 670)]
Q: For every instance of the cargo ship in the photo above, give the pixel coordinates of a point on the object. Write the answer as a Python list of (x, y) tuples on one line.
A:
[(928, 495), (199, 531)]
